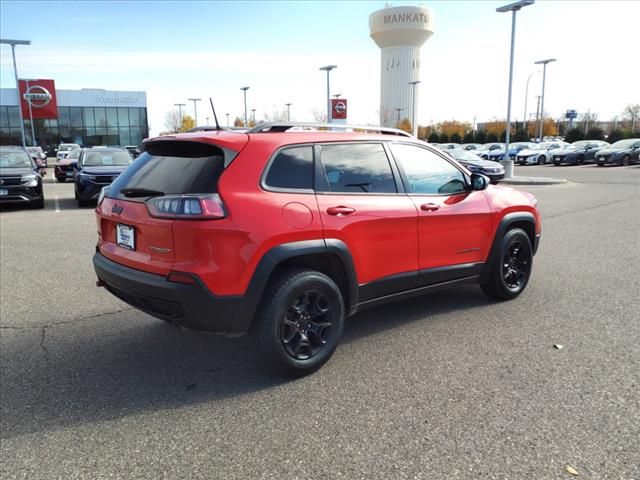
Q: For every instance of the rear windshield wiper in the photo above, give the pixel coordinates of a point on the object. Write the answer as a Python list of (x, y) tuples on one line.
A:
[(140, 192)]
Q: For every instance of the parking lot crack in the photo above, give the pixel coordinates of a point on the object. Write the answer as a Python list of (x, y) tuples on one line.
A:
[(42, 339), (64, 322)]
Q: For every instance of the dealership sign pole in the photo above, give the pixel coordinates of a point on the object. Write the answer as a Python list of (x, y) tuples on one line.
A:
[(33, 132), (13, 44)]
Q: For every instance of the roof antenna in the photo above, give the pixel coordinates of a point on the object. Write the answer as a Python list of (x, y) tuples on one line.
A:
[(215, 117)]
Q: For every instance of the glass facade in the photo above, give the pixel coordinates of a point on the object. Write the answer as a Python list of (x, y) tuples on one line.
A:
[(87, 126)]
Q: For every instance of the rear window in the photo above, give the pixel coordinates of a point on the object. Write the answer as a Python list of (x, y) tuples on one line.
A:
[(174, 168), (105, 158), (292, 169)]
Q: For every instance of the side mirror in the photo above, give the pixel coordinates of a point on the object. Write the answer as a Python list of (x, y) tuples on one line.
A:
[(479, 182)]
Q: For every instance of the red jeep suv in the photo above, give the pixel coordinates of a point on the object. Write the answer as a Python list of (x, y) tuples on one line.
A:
[(285, 232)]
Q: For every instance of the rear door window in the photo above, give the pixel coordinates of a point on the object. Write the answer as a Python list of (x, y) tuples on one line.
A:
[(173, 168), (357, 168)]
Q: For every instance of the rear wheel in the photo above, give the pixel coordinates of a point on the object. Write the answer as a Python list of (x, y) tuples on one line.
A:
[(626, 160), (61, 179), (580, 161), (542, 160), (300, 323), (511, 269)]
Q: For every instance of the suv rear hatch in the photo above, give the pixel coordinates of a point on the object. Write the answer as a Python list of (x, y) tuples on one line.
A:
[(172, 179)]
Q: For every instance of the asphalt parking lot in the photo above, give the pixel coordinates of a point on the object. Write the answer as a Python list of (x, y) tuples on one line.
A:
[(447, 386)]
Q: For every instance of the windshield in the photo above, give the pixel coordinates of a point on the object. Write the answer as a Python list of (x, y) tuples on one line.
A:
[(540, 146), (624, 143), (106, 159), (15, 159), (65, 147), (580, 144)]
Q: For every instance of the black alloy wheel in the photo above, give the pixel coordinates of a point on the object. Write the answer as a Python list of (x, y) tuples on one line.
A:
[(306, 325), (516, 265), (510, 270)]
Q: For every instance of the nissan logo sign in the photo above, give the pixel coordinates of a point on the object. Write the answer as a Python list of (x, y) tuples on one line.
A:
[(37, 96), (340, 107)]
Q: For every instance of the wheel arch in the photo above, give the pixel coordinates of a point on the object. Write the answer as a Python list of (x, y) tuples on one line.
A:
[(524, 220)]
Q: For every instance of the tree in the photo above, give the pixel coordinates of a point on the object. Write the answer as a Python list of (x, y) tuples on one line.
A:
[(495, 127), (548, 128), (468, 137), (455, 138), (405, 124), (238, 122), (187, 123), (319, 116), (481, 137), (433, 138), (172, 121), (632, 115), (491, 138), (573, 135), (594, 133), (444, 138), (615, 135), (450, 127)]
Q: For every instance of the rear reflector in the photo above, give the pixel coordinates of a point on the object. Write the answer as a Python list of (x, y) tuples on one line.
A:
[(187, 207), (178, 277)]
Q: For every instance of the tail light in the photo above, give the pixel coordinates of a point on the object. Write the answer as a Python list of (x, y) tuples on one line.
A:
[(187, 207)]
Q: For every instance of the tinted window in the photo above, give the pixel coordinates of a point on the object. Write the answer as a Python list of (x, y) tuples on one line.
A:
[(173, 168), (357, 168), (292, 168), (427, 172), (105, 158), (74, 154)]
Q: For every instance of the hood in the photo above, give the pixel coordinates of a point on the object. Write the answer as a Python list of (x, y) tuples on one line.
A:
[(480, 163), (66, 161), (112, 170), (15, 172)]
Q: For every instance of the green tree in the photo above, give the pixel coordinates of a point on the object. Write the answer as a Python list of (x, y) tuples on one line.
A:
[(491, 138), (433, 138), (444, 138), (468, 137), (455, 138), (503, 136), (615, 135), (573, 135), (595, 134), (520, 136), (480, 137)]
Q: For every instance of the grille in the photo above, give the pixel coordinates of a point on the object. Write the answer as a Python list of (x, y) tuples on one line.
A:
[(11, 181)]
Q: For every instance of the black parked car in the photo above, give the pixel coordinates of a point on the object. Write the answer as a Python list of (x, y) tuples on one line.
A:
[(623, 152), (579, 152), (475, 164), (20, 181), (97, 168)]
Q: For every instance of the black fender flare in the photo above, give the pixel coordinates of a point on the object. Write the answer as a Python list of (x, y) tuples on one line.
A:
[(505, 223), (276, 255)]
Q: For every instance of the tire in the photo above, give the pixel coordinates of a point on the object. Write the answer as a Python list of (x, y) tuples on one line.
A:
[(511, 270), (61, 179), (600, 164), (580, 161), (626, 160), (300, 323), (557, 164), (38, 204), (542, 160), (82, 203)]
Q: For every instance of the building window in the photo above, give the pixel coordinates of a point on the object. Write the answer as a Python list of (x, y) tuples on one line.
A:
[(87, 114)]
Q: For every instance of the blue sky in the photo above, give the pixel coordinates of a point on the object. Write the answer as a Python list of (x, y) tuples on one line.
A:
[(177, 50)]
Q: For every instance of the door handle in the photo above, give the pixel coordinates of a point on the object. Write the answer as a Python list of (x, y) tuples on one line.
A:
[(429, 207), (340, 210)]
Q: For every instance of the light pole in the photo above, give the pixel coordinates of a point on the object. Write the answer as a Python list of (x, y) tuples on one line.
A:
[(207, 119), (513, 7), (179, 105), (253, 115), (244, 89), (414, 127), (526, 97), (13, 44), (33, 132), (227, 114), (288, 105), (195, 109), (537, 115), (398, 110), (544, 75), (328, 68)]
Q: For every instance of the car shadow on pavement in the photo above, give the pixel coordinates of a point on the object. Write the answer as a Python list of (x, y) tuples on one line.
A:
[(117, 365)]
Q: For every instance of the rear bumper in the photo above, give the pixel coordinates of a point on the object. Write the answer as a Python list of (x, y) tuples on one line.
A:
[(188, 306)]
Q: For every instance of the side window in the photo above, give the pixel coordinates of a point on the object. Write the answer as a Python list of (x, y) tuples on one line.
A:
[(358, 168), (292, 168), (426, 172)]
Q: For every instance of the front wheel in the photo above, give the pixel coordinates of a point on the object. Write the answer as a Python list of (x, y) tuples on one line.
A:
[(300, 323), (61, 179), (542, 160), (626, 160), (511, 269)]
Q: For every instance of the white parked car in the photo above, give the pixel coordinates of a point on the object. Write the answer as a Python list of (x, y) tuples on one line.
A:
[(539, 154), (65, 148)]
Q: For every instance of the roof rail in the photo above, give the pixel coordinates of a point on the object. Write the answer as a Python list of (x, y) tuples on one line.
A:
[(284, 126)]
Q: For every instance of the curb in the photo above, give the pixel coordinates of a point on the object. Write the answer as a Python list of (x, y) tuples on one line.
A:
[(533, 181)]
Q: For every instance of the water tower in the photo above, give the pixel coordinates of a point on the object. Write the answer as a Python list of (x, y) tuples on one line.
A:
[(399, 32)]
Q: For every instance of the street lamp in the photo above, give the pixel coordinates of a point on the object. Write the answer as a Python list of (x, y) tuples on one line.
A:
[(414, 127), (179, 105), (328, 68), (13, 44), (288, 105), (195, 109), (227, 114), (398, 110), (512, 7), (244, 89), (207, 119), (526, 97), (544, 75), (253, 115)]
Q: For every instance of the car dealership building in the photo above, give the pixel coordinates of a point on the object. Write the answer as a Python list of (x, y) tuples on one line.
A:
[(88, 117)]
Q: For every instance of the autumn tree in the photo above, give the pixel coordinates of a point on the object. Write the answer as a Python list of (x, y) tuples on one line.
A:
[(405, 124), (172, 121), (449, 127), (238, 122), (495, 128), (187, 123), (548, 128)]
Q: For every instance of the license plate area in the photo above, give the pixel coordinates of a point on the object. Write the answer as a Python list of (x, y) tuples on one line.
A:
[(125, 236)]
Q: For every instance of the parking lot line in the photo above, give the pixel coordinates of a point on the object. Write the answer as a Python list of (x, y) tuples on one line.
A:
[(57, 205)]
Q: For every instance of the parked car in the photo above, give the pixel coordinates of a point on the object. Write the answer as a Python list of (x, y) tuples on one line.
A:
[(484, 151), (37, 153), (622, 152), (539, 154), (448, 146), (471, 146), (20, 181), (498, 154), (582, 151), (97, 168), (288, 233), (65, 148), (133, 151), (475, 164), (63, 170)]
